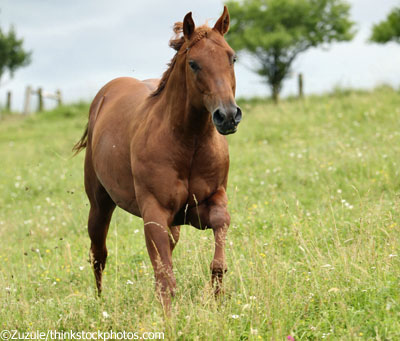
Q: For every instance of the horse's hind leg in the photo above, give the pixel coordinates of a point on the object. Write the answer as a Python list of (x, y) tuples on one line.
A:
[(101, 210), (99, 221)]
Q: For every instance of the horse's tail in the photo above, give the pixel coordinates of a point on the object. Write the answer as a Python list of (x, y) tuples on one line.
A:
[(82, 143), (93, 112)]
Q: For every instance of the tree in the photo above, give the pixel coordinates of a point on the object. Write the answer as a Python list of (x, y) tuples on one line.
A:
[(387, 30), (12, 54), (274, 32)]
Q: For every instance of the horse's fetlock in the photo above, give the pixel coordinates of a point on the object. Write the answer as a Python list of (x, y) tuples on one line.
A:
[(218, 267)]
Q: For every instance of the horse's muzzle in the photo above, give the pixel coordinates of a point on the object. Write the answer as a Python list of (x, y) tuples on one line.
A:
[(227, 120)]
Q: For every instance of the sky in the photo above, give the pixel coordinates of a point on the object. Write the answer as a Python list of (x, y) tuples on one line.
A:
[(78, 46)]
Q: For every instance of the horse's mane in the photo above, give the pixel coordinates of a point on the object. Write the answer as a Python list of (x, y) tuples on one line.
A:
[(177, 43)]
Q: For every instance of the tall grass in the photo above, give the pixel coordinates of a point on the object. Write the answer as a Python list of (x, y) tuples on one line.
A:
[(313, 248)]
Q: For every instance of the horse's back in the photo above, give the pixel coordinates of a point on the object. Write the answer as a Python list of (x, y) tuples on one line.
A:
[(123, 91)]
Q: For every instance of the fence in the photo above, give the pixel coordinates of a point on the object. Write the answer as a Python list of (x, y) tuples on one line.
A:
[(27, 101), (41, 96), (300, 85), (57, 96)]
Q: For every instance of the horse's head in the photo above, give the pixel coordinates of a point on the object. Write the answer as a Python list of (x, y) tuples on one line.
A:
[(210, 74)]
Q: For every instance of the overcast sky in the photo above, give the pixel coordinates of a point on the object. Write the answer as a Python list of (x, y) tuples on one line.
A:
[(80, 45)]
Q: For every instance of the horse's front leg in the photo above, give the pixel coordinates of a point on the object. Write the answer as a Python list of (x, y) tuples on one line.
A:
[(213, 213), (218, 264), (219, 220), (157, 236)]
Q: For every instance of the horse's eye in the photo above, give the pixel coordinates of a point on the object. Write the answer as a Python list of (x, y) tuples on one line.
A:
[(194, 66), (234, 59)]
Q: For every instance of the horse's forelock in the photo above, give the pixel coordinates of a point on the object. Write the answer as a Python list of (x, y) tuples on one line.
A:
[(176, 43)]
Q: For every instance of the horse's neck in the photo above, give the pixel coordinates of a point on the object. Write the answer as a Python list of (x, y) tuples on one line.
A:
[(183, 117)]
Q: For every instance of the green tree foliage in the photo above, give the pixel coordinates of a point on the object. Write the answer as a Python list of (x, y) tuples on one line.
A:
[(12, 53), (387, 30), (274, 32)]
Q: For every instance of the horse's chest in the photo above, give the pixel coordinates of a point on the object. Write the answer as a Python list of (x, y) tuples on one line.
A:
[(200, 188), (206, 175)]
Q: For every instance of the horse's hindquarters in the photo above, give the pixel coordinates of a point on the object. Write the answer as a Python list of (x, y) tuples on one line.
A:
[(111, 136)]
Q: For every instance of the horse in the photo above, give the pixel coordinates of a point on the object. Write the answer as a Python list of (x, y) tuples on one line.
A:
[(156, 148)]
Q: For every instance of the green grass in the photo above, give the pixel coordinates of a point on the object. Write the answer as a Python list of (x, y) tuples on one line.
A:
[(313, 248)]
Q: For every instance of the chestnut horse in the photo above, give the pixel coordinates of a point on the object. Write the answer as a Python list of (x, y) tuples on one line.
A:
[(156, 149)]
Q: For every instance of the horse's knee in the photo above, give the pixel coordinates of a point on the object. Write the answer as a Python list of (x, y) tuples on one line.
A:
[(219, 217)]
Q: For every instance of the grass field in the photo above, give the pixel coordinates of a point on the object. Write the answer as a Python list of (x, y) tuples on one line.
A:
[(313, 248)]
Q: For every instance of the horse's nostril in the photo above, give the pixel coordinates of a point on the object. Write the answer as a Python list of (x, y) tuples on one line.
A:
[(238, 115), (218, 117)]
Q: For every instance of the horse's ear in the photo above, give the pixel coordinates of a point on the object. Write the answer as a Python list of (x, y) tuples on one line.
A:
[(188, 26), (222, 25)]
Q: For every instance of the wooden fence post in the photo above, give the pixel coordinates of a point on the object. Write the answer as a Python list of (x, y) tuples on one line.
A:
[(8, 103), (300, 85), (27, 102), (40, 99), (59, 98)]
